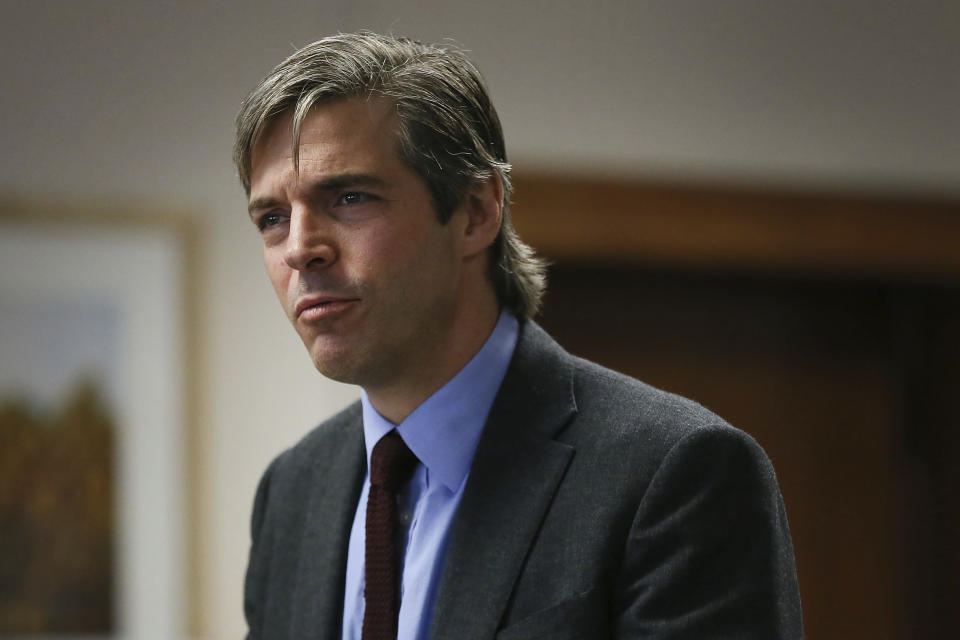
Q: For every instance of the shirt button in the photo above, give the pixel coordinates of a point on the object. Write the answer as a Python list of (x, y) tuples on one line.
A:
[(405, 517)]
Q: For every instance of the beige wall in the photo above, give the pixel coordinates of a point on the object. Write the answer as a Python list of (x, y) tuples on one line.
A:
[(133, 103)]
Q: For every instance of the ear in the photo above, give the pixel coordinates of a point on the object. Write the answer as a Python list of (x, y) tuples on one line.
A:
[(483, 206)]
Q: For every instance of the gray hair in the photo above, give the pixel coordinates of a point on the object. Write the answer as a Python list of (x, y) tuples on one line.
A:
[(448, 133)]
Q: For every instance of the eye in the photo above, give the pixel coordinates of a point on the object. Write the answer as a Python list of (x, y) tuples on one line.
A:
[(268, 220), (354, 198)]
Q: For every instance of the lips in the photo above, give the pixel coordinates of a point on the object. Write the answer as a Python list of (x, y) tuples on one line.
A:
[(314, 307)]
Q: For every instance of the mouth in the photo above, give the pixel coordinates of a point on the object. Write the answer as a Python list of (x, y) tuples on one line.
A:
[(315, 308)]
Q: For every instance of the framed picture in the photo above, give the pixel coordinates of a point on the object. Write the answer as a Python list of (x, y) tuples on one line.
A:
[(92, 408)]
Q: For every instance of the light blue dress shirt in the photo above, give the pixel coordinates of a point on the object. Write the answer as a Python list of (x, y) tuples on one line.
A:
[(443, 433)]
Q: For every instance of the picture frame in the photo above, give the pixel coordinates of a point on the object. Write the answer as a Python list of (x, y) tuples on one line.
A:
[(111, 289)]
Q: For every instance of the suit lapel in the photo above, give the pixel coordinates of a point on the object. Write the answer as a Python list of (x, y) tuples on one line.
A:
[(516, 471), (336, 478)]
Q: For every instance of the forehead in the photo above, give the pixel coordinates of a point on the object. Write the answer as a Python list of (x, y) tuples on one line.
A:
[(333, 136)]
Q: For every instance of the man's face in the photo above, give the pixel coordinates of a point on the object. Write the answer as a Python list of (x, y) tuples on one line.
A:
[(362, 266)]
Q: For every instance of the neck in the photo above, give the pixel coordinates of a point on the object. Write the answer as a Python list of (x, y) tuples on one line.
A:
[(470, 329)]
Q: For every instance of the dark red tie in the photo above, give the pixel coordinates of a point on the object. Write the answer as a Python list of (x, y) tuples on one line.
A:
[(391, 465)]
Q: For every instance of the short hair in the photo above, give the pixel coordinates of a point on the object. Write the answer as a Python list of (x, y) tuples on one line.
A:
[(448, 133)]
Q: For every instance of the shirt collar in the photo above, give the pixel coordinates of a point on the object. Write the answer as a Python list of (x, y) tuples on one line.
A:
[(443, 432)]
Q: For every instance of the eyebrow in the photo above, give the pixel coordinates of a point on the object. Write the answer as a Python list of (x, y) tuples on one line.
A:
[(332, 183)]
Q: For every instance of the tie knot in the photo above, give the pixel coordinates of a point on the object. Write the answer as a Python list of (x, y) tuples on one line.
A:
[(391, 462)]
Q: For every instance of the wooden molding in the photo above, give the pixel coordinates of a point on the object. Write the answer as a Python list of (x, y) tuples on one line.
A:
[(580, 220)]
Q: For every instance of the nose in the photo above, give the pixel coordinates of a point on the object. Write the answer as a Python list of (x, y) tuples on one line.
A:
[(310, 243)]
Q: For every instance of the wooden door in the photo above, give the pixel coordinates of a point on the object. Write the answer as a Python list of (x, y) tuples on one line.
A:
[(831, 333)]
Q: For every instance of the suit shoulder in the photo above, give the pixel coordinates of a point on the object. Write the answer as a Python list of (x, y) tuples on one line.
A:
[(643, 437), (623, 408), (326, 440)]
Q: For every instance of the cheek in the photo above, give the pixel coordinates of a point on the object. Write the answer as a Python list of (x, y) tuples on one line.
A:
[(278, 272), (381, 255), (413, 259)]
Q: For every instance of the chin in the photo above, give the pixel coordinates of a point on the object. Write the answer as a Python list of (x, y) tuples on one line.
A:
[(340, 365)]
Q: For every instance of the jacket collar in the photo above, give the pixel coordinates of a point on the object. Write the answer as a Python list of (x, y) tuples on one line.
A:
[(335, 477), (515, 473)]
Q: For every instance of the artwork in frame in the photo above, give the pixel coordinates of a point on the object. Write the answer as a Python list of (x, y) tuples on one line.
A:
[(92, 407)]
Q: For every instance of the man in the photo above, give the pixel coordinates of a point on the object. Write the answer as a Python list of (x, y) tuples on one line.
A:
[(545, 497)]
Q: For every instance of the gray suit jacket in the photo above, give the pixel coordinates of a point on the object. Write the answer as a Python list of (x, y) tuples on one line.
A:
[(596, 507)]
